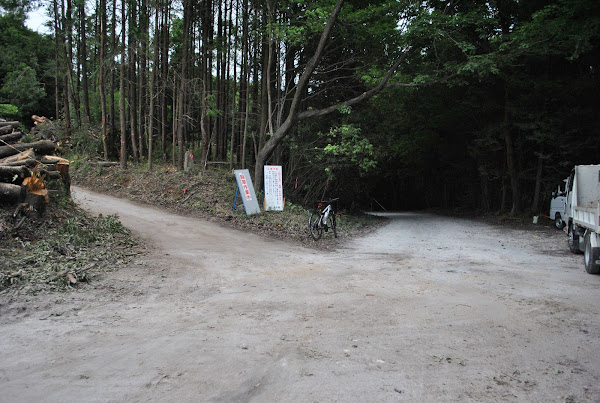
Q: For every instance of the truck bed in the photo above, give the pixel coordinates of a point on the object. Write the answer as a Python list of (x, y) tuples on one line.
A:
[(588, 186), (587, 217)]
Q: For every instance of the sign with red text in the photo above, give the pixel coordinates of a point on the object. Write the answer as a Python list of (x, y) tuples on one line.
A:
[(273, 188), (246, 188)]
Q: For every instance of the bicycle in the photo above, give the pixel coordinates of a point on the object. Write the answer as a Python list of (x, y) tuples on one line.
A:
[(322, 219)]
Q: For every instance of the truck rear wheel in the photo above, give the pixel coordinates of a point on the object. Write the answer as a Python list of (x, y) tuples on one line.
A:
[(591, 256), (573, 241)]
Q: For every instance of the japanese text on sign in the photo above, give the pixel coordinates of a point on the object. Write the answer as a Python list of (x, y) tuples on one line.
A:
[(273, 188), (246, 189)]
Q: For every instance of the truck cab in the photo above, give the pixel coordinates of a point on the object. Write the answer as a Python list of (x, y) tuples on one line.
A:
[(558, 205)]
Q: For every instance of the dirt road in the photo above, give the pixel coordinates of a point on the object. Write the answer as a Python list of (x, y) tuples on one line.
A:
[(426, 308)]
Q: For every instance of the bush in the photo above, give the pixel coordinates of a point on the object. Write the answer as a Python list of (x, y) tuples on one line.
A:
[(8, 111)]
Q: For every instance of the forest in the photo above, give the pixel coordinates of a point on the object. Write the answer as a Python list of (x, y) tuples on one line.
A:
[(401, 104)]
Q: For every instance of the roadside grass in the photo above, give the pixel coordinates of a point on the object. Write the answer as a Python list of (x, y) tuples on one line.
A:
[(210, 194)]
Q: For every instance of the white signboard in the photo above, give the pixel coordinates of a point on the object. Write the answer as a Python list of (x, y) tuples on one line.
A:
[(246, 188), (273, 188)]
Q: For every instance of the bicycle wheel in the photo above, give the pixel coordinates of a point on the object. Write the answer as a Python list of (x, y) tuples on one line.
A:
[(314, 226), (333, 224)]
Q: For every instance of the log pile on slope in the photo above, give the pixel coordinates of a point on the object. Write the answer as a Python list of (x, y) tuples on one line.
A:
[(26, 169)]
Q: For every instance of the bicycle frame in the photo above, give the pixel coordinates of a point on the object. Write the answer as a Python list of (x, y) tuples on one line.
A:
[(325, 214), (319, 220)]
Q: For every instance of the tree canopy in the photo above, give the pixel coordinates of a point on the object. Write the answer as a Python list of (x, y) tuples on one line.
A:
[(406, 104)]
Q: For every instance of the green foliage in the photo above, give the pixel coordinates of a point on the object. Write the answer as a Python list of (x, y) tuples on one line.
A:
[(345, 110), (86, 141), (211, 107), (567, 28), (478, 71), (345, 146), (176, 40), (21, 47), (17, 7), (527, 68), (22, 88), (9, 111)]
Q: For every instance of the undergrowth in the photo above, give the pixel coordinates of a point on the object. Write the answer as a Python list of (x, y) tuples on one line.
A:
[(39, 254), (210, 194)]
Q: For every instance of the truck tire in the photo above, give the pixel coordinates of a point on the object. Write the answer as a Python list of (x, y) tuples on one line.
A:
[(573, 241), (558, 221), (591, 255)]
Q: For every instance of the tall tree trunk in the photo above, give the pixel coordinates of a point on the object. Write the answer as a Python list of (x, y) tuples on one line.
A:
[(294, 113), (153, 88), (57, 52), (175, 122), (538, 181), (102, 8), (83, 52), (234, 92), (164, 72), (219, 83), (122, 110), (114, 41), (61, 52), (510, 157), (269, 72), (67, 103), (73, 90), (132, 87), (255, 104), (485, 193), (244, 85), (204, 126), (187, 17), (206, 74), (142, 74), (503, 194), (246, 119), (264, 92)]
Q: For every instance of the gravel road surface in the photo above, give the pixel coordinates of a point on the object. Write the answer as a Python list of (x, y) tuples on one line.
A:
[(427, 308)]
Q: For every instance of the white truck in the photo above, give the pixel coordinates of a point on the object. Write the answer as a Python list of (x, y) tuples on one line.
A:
[(557, 207), (582, 214)]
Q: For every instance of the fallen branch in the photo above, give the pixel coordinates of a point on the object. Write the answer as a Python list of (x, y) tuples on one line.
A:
[(72, 274), (20, 156), (105, 163), (11, 138), (53, 159), (6, 130), (10, 193), (10, 124), (14, 175), (28, 162), (41, 147)]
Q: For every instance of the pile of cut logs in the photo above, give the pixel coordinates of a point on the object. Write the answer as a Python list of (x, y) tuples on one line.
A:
[(27, 168)]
